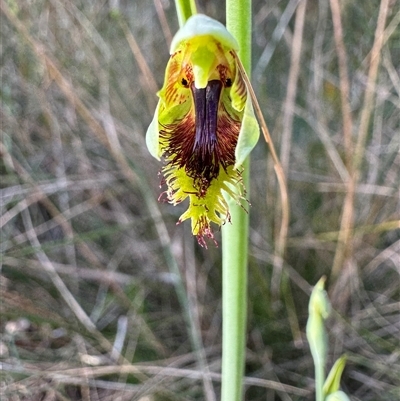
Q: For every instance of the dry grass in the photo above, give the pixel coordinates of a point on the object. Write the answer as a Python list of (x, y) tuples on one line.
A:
[(103, 297)]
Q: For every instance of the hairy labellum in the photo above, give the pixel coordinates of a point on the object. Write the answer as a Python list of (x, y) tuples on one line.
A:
[(205, 143)]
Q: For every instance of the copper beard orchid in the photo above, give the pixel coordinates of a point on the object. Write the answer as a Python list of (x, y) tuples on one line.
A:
[(204, 125)]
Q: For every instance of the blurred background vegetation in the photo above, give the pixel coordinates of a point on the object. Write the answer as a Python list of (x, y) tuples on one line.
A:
[(94, 269)]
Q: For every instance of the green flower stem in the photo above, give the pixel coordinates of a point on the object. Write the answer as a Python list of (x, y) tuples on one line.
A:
[(234, 300), (185, 9), (319, 381), (235, 241)]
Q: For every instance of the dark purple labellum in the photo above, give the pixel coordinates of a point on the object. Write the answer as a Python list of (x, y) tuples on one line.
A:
[(204, 140), (205, 158)]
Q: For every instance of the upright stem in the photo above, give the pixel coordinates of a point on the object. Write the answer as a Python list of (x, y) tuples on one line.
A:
[(235, 241), (185, 9), (319, 381)]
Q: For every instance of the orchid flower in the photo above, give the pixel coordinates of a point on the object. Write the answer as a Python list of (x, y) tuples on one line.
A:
[(204, 125)]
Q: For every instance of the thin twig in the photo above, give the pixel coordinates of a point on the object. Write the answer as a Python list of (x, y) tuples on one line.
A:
[(163, 21), (344, 248), (344, 79), (142, 63), (92, 372), (280, 174), (329, 236), (278, 275)]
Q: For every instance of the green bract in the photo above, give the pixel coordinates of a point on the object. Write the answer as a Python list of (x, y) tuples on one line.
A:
[(332, 383)]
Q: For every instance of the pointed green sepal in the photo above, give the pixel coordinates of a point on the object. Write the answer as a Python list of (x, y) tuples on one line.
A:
[(332, 383)]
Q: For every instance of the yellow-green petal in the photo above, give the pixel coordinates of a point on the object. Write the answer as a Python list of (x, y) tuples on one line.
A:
[(152, 136), (248, 135)]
